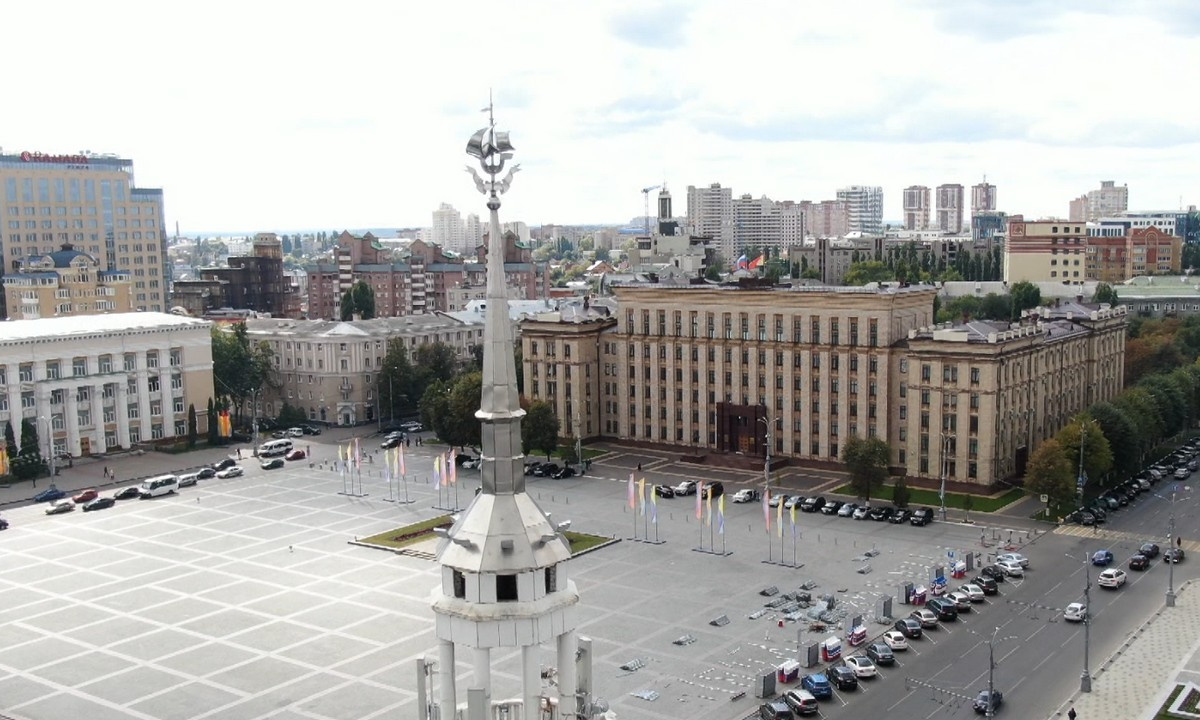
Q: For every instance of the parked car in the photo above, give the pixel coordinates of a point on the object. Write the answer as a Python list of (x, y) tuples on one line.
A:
[(973, 592), (994, 572), (714, 489), (961, 600), (1111, 578), (189, 479), (746, 495), (792, 501), (687, 487), (926, 617), (817, 684), (1150, 550), (1099, 513), (921, 516), (664, 491), (843, 678), (1011, 568), (883, 513), (565, 472), (99, 503), (310, 429), (847, 510), (1102, 558), (231, 472), (84, 496), (862, 666), (60, 506), (546, 470), (225, 463), (1013, 557), (987, 584), (1082, 516), (910, 626), (530, 467), (812, 504), (988, 701), (296, 454), (1139, 562), (3, 524), (127, 493), (1174, 555), (802, 702), (1075, 612), (412, 426), (881, 654), (206, 473), (272, 464), (472, 463), (945, 609), (391, 442), (901, 516), (295, 432), (832, 507), (775, 499), (895, 640), (861, 512), (775, 710), (50, 494)]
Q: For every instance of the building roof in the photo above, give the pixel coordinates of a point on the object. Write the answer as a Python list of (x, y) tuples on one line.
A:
[(1164, 286), (961, 288), (517, 309), (375, 327), (62, 258), (21, 330)]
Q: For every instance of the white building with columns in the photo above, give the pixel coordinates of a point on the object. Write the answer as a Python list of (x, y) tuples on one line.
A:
[(105, 382)]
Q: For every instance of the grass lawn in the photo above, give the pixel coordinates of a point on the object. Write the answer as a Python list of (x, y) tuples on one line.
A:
[(918, 496), (1163, 713), (417, 532)]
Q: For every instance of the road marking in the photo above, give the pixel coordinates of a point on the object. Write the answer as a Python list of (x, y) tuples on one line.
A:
[(897, 703), (1035, 632)]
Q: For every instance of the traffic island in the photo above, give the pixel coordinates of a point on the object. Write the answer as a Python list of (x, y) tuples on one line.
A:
[(404, 539)]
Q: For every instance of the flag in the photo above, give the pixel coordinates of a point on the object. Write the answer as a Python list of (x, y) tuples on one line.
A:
[(437, 471), (401, 449), (767, 509), (793, 521), (642, 495), (779, 514), (699, 495), (653, 507), (758, 261), (742, 263), (721, 515), (452, 466), (708, 502), (357, 454), (632, 501)]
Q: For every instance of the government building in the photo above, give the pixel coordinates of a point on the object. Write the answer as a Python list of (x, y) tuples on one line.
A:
[(106, 382), (727, 369)]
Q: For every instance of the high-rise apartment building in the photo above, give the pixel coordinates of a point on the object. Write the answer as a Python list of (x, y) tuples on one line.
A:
[(1108, 200), (950, 208), (864, 203), (756, 224), (826, 218), (90, 202), (710, 215), (916, 207), (983, 198), (447, 230)]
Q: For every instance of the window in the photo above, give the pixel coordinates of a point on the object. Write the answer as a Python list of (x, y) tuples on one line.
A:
[(131, 412), (52, 370), (79, 367), (152, 359), (459, 581), (130, 362)]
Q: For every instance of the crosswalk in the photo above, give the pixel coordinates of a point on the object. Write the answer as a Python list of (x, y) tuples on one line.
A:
[(1119, 535)]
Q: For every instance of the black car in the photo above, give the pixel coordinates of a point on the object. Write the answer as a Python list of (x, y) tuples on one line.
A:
[(981, 703), (775, 710), (922, 516), (1100, 513), (994, 572), (1119, 497), (901, 516), (815, 503), (987, 585), (714, 489), (943, 608), (227, 462), (392, 442), (564, 473), (1139, 562), (1150, 550), (310, 429), (3, 524), (664, 491), (881, 654), (1174, 555), (843, 678), (273, 464), (129, 493), (546, 470), (882, 513), (531, 467), (910, 627), (99, 503), (1082, 517), (206, 473), (832, 507)]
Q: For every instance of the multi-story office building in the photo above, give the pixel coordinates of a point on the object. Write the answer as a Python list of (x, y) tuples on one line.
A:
[(1045, 250), (864, 203), (66, 282), (916, 207), (105, 382), (90, 202), (986, 226), (950, 208), (722, 369), (253, 282), (1108, 200), (832, 257), (983, 198), (710, 215), (826, 218), (1115, 253), (330, 369)]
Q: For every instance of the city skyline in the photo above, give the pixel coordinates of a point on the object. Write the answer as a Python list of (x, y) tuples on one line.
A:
[(332, 122)]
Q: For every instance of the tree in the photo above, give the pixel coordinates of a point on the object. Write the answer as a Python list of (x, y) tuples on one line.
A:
[(900, 493), (29, 462), (1049, 473), (191, 426), (241, 368), (1122, 435), (359, 300), (539, 429), (398, 382), (1025, 295), (1097, 455), (1105, 294), (867, 462), (449, 409), (434, 361), (212, 423), (290, 415), (861, 273)]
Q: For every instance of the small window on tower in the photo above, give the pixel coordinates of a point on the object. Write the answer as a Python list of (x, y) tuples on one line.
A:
[(460, 585), (506, 588), (551, 579)]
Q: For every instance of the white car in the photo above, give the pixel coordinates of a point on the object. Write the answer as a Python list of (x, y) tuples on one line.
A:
[(895, 640), (1014, 557), (861, 512), (60, 506), (792, 501), (847, 510), (974, 592), (1075, 612), (861, 665), (1011, 568), (745, 495), (230, 472), (295, 432), (472, 464), (960, 599), (1111, 578)]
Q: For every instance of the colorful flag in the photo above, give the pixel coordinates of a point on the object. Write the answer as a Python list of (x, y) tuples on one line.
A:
[(437, 471), (401, 449), (632, 499), (742, 263), (793, 521), (699, 495), (708, 502), (452, 466), (721, 515), (642, 495), (779, 514), (653, 507), (758, 261), (767, 509)]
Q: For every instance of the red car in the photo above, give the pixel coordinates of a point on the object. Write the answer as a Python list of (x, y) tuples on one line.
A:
[(296, 454), (86, 496)]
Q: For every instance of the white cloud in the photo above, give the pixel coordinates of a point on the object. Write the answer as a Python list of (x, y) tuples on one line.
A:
[(273, 115)]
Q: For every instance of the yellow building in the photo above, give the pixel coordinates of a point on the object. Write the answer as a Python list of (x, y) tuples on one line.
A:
[(89, 201), (1045, 251), (66, 282)]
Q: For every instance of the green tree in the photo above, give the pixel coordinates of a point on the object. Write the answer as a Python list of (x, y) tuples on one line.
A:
[(241, 368), (1122, 434), (359, 299), (996, 307), (1105, 294), (1049, 472), (900, 493), (290, 415), (1097, 455), (434, 361), (448, 407), (867, 462), (29, 462), (10, 444), (399, 394), (191, 426), (539, 429), (1025, 295), (861, 273)]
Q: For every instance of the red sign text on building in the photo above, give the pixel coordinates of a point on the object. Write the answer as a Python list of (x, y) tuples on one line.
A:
[(60, 159)]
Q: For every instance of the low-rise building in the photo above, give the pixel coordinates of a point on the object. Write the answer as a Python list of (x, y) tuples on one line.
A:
[(66, 282), (105, 382), (254, 282)]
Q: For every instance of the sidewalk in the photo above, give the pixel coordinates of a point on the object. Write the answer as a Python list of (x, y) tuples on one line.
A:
[(1160, 651)]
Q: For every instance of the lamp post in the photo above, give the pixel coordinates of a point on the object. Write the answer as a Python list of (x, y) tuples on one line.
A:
[(1171, 539), (1085, 678), (946, 438), (254, 421), (990, 711), (768, 438)]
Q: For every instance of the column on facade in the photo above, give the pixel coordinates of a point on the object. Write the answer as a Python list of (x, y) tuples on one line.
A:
[(71, 419), (483, 670), (98, 442), (168, 402), (567, 682), (122, 413), (531, 682), (15, 411), (447, 697), (143, 401)]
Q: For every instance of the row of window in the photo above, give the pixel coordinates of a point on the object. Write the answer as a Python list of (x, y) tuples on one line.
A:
[(104, 364), (761, 329)]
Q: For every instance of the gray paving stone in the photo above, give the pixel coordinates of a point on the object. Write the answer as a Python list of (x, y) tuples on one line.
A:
[(272, 637), (183, 702), (128, 686), (41, 651), (205, 659), (68, 705), (224, 622), (82, 668), (16, 690), (352, 701), (259, 675), (156, 644)]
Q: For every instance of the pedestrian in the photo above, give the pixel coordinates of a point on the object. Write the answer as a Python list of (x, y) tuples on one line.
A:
[(1071, 714), (639, 467), (105, 472), (407, 442), (239, 453)]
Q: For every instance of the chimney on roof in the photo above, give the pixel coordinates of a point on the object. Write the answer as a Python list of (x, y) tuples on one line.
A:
[(966, 317)]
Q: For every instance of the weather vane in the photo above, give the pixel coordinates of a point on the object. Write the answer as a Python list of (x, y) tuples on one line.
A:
[(492, 149)]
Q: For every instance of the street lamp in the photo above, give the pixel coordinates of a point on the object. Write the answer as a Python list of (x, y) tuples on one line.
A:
[(946, 440), (990, 711), (768, 438), (1085, 678), (1171, 540)]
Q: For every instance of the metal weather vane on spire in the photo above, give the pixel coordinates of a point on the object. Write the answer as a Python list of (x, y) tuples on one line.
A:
[(492, 148)]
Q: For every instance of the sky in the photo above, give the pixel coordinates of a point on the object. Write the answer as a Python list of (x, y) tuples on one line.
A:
[(280, 116)]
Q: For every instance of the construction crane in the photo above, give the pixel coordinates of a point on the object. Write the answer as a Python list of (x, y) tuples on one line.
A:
[(646, 201)]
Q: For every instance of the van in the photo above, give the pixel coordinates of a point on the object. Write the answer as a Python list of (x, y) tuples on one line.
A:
[(275, 448), (155, 486)]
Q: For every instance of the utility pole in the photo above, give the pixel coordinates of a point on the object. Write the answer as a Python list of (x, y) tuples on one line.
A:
[(1171, 540), (1085, 679), (768, 438), (578, 444), (991, 701), (945, 472)]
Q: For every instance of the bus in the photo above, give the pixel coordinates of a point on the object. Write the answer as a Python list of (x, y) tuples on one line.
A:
[(274, 448), (155, 486)]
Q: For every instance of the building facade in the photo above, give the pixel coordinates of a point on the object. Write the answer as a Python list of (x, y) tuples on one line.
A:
[(864, 204), (563, 366), (983, 198), (1108, 200), (1044, 250), (63, 283), (253, 282), (950, 208), (1116, 254), (106, 382), (710, 215), (90, 202), (330, 369), (916, 207)]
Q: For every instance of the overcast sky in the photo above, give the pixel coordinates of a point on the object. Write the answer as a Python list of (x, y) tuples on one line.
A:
[(278, 116)]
